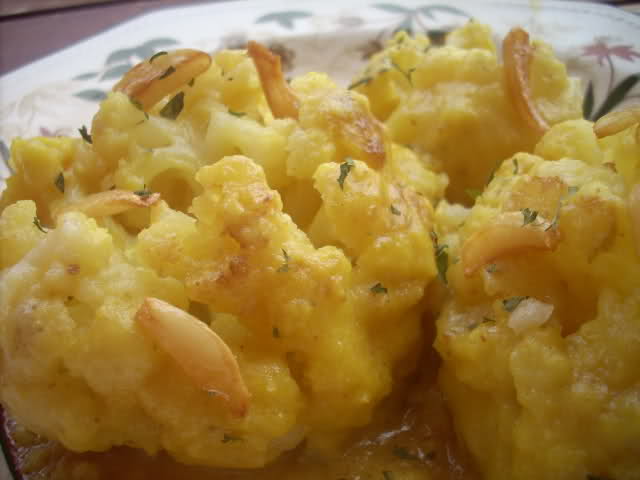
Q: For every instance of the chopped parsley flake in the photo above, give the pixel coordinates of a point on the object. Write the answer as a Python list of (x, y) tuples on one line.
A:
[(492, 174), (192, 82), (156, 55), (237, 114), (144, 193), (473, 193), (285, 266), (173, 107), (36, 222), (362, 81), (59, 182), (407, 73), (345, 168), (442, 257), (85, 134), (515, 166), (404, 453), (378, 288), (510, 304), (491, 268), (394, 210), (529, 216), (226, 438), (167, 72)]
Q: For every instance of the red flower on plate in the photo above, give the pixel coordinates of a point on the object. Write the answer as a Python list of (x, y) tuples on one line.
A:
[(602, 51)]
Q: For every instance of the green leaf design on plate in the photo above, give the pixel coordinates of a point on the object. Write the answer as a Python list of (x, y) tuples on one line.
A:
[(116, 72), (406, 25), (285, 19), (118, 56), (617, 95), (587, 104), (151, 46), (145, 50), (5, 154), (92, 94), (86, 76), (391, 8), (429, 10)]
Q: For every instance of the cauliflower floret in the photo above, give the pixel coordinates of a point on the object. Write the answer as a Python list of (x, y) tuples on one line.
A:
[(308, 306), (431, 98), (544, 320)]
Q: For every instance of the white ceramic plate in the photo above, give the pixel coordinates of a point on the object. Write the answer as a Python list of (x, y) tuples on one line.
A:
[(58, 94)]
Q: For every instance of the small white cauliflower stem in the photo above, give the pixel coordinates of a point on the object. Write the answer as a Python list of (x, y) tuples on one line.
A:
[(530, 313)]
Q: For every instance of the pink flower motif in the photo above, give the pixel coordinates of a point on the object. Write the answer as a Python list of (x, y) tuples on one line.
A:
[(602, 51)]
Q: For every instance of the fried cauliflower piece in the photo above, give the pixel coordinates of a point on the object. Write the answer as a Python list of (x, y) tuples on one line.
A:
[(541, 334), (432, 98), (294, 271), (305, 306)]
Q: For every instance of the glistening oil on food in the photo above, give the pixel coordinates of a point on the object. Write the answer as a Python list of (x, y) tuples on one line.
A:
[(430, 274)]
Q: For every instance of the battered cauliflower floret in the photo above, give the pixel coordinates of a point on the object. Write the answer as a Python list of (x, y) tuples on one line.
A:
[(543, 323), (161, 292), (308, 307), (452, 103)]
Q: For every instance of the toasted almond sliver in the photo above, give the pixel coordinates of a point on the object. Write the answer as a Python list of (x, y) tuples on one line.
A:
[(615, 122), (517, 53), (506, 237), (282, 101), (634, 212), (201, 354), (108, 203), (150, 81)]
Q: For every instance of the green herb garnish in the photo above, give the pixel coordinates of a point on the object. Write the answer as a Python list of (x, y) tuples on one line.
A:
[(59, 182), (173, 107), (85, 134), (515, 166), (167, 72), (36, 222), (510, 304), (156, 55), (407, 74), (473, 193), (529, 216), (442, 257), (378, 288), (237, 114), (491, 268), (394, 210), (285, 266), (345, 168), (362, 81), (191, 82), (144, 193)]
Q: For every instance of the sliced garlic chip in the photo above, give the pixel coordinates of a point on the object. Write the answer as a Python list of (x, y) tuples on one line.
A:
[(111, 202), (616, 122), (507, 236), (153, 79), (517, 54), (201, 354), (282, 101)]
